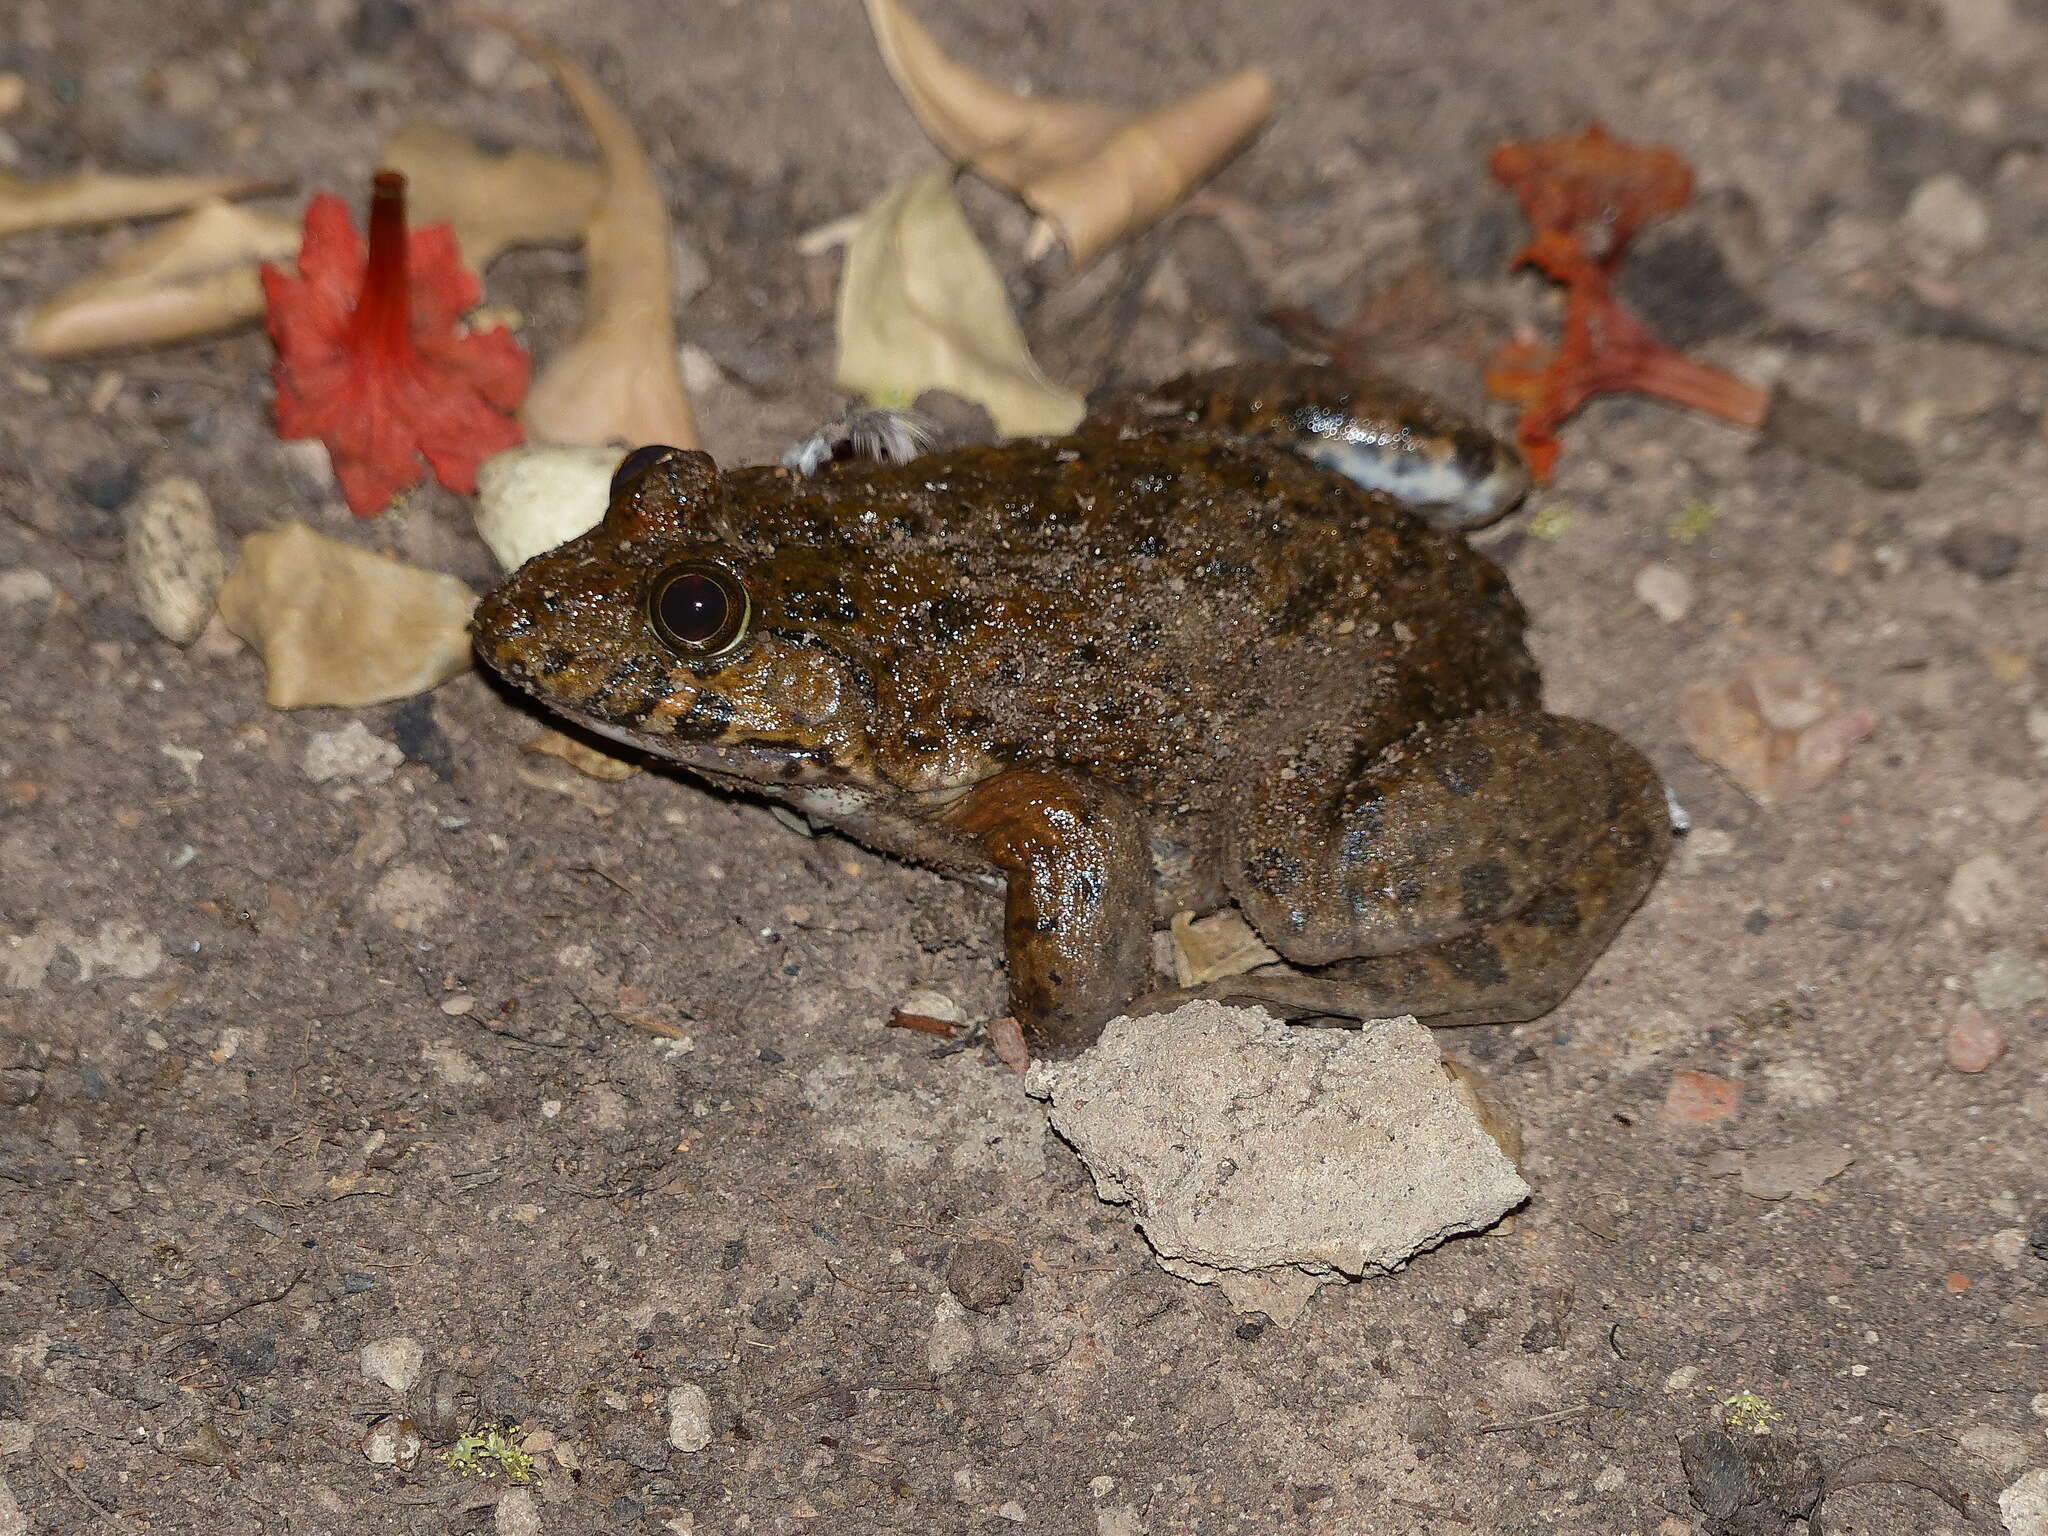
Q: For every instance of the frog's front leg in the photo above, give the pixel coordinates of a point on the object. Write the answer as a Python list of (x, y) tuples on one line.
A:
[(1077, 924), (1380, 433), (1468, 874)]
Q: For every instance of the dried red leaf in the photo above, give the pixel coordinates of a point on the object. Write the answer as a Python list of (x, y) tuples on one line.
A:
[(1593, 188), (924, 1023), (373, 359)]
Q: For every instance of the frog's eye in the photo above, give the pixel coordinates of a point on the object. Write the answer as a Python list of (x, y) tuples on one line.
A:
[(698, 608), (637, 463)]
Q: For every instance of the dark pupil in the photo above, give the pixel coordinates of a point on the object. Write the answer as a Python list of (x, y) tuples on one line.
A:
[(631, 466), (693, 606)]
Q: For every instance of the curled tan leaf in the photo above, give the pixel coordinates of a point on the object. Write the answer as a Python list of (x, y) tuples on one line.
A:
[(104, 197), (1208, 948), (194, 277), (340, 625), (622, 380), (1091, 171), (492, 201), (920, 308), (593, 762)]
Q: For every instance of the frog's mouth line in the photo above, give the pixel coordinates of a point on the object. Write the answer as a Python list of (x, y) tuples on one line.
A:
[(715, 759)]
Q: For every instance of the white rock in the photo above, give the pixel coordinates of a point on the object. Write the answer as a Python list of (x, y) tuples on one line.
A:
[(350, 753), (25, 584), (517, 1514), (1984, 889), (1945, 214), (12, 1521), (174, 559), (16, 1436), (1665, 590), (538, 495), (689, 1417), (1244, 1144), (2024, 1506), (391, 1442), (395, 1361), (1999, 1449), (951, 1339)]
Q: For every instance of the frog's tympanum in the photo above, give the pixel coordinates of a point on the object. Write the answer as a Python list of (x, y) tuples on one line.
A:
[(1224, 642)]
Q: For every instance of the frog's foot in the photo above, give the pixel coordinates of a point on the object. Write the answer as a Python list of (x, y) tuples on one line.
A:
[(1468, 877), (864, 435), (1077, 922), (1384, 435)]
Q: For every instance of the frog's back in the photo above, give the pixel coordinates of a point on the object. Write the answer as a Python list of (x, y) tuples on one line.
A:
[(1139, 607)]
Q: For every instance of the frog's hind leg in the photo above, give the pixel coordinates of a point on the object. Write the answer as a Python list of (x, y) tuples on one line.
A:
[(1472, 878), (1382, 434)]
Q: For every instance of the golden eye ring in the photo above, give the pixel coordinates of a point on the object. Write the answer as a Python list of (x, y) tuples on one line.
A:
[(699, 608)]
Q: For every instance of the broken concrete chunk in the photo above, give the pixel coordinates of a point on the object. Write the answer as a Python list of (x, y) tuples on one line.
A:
[(1242, 1144)]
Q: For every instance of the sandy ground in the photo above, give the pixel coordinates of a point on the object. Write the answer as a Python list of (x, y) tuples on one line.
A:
[(586, 1088)]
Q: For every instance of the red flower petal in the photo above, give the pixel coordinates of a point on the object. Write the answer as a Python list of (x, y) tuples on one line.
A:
[(372, 358)]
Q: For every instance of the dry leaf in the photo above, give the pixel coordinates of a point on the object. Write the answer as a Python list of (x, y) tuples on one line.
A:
[(194, 277), (1092, 172), (920, 308), (1006, 1039), (592, 762), (492, 202), (338, 625), (1778, 727), (1221, 944), (622, 380), (105, 197)]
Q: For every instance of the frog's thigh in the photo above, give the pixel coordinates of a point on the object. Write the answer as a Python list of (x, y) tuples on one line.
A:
[(1077, 922), (1516, 968)]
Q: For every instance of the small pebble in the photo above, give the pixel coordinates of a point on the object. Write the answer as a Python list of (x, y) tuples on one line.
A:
[(984, 1275), (1973, 1042), (517, 1514), (1983, 552), (1700, 1098), (392, 1442), (395, 1361), (174, 559), (2008, 982), (13, 92), (1985, 889), (350, 753), (1946, 216), (1665, 590), (689, 1418), (24, 584), (2023, 1507), (2010, 801)]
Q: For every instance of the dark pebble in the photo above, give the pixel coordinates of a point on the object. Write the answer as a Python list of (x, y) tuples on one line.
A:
[(354, 1282), (733, 1254), (634, 1443), (13, 1396), (1251, 1329), (1475, 244), (2037, 1234), (253, 1356), (1984, 552), (379, 24), (107, 485), (416, 733), (773, 1057), (1907, 147), (1750, 1485), (984, 1275), (93, 1081), (1678, 281), (778, 1310)]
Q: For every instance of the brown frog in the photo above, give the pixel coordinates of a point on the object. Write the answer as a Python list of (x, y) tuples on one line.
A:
[(1181, 656)]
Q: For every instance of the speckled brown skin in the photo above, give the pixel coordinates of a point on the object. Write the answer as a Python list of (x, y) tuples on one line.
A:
[(1130, 671)]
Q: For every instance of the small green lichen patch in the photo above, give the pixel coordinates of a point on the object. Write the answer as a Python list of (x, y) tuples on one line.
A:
[(1745, 1410), (483, 1452)]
